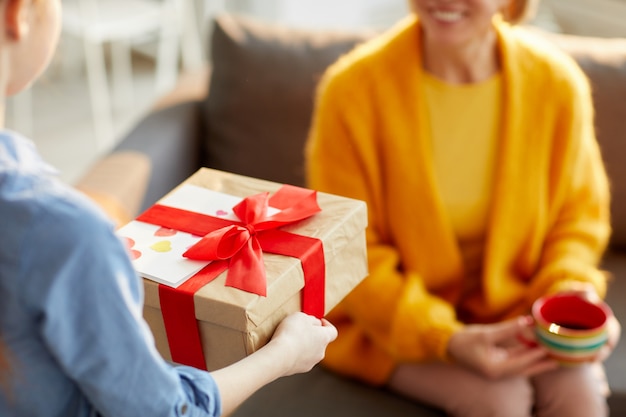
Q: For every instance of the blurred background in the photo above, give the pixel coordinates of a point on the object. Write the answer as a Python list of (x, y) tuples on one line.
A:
[(116, 57)]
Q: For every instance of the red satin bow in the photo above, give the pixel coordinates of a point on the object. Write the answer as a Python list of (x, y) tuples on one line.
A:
[(239, 242)]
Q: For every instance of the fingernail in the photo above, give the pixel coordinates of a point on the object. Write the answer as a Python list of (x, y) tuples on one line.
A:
[(526, 321)]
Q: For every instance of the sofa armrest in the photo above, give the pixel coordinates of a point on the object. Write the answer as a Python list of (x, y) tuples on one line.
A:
[(117, 183), (170, 138), (191, 86)]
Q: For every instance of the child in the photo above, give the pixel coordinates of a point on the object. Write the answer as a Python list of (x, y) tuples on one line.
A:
[(472, 143), (72, 338)]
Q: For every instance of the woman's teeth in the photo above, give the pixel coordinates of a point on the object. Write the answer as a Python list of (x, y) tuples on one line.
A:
[(447, 16)]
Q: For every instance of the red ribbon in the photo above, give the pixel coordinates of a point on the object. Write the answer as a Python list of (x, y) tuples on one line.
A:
[(238, 247)]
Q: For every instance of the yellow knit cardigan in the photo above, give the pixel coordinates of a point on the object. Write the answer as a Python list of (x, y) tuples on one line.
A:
[(549, 219)]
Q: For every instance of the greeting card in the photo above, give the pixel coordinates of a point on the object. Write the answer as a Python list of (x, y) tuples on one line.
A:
[(157, 252)]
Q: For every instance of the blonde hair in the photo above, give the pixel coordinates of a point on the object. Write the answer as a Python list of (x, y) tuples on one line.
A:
[(519, 11)]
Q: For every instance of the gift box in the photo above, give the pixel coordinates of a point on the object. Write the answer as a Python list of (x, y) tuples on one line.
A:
[(211, 322)]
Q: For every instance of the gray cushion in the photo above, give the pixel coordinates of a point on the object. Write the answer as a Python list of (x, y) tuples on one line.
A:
[(615, 263), (261, 95)]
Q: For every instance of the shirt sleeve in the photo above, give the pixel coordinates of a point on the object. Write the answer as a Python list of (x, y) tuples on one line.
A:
[(88, 301)]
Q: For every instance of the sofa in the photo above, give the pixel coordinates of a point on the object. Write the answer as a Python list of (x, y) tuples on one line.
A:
[(249, 113)]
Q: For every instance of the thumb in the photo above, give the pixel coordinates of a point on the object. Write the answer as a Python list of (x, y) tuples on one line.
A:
[(509, 329), (331, 329)]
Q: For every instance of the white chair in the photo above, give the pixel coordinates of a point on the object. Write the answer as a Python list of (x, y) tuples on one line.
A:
[(119, 23)]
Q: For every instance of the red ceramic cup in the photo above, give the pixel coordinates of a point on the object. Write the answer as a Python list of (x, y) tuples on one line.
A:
[(571, 327)]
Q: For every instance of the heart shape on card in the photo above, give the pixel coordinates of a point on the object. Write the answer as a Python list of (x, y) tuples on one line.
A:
[(162, 246), (133, 253), (164, 231)]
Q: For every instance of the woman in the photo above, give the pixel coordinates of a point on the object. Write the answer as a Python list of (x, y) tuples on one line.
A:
[(472, 143), (72, 338)]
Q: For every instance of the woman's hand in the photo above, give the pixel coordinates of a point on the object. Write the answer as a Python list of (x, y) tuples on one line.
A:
[(303, 340), (496, 351)]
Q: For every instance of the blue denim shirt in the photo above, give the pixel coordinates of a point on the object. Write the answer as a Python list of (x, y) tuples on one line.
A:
[(71, 308)]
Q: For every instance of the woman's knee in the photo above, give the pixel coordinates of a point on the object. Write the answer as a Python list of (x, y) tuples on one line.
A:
[(510, 397), (580, 391)]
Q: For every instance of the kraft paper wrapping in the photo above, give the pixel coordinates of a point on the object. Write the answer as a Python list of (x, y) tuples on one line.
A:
[(235, 323)]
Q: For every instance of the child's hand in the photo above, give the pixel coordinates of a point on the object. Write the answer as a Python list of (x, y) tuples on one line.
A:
[(495, 350), (298, 344), (302, 340)]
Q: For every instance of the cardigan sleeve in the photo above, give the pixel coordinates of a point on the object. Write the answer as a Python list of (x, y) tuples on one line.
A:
[(579, 219), (391, 307)]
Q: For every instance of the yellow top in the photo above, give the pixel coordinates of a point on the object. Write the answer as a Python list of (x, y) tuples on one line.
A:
[(464, 121), (549, 219)]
